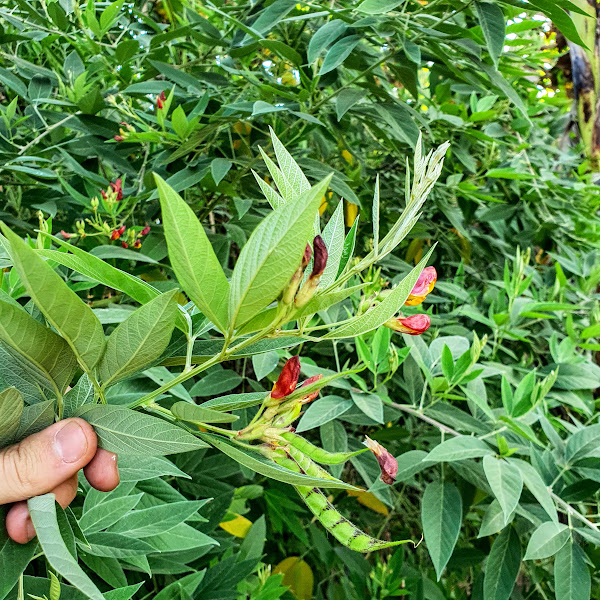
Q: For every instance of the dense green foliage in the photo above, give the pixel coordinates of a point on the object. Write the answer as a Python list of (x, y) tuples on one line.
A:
[(491, 412)]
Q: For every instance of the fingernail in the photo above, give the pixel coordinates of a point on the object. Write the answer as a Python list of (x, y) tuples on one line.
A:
[(29, 528), (70, 442)]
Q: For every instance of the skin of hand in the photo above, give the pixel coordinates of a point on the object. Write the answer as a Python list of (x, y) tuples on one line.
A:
[(48, 461)]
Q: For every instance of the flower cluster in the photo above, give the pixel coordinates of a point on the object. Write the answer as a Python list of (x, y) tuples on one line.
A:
[(306, 292), (416, 324)]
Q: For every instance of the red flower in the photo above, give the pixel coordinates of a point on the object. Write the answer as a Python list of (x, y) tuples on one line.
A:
[(314, 394), (137, 244), (125, 244), (414, 325), (320, 261), (118, 138), (103, 194), (65, 234), (387, 463), (288, 379), (160, 101), (115, 235), (117, 189), (121, 230), (424, 285), (146, 230)]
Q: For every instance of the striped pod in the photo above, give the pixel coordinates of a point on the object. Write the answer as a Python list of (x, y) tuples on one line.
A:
[(316, 453), (343, 530), (307, 465)]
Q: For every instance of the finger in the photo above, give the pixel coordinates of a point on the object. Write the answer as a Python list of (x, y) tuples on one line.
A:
[(102, 471), (44, 460), (18, 522)]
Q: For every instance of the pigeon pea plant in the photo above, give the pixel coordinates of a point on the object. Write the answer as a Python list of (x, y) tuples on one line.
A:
[(278, 286)]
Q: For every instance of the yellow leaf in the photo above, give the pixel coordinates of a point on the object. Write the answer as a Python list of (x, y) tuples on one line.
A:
[(238, 526), (348, 157), (351, 213), (369, 500), (298, 576)]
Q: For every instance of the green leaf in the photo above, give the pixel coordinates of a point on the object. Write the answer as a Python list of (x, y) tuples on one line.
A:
[(547, 540), (493, 25), (115, 545), (349, 244), (37, 344), (95, 268), (502, 566), (265, 363), (11, 409), (322, 38), (459, 448), (236, 401), (103, 515), (156, 519), (447, 363), (441, 515), (291, 172), (219, 167), (506, 482), (67, 313), (135, 468), (43, 514), (370, 404), (338, 53), (492, 521), (322, 411), (126, 431), (82, 393), (35, 418), (198, 414), (378, 7), (14, 558), (535, 484), (346, 99), (272, 254), (192, 256), (255, 462), (384, 310), (583, 443), (216, 383), (333, 235), (139, 340), (283, 50), (572, 579)]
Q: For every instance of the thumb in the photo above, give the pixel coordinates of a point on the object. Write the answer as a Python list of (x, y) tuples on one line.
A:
[(44, 460)]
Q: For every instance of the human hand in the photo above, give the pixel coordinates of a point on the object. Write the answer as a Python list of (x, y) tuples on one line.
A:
[(48, 461)]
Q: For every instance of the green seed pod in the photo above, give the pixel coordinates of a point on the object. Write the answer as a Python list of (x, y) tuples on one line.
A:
[(316, 453), (308, 466), (343, 530)]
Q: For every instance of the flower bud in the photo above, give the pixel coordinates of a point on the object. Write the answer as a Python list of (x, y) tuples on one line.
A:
[(288, 379), (121, 230), (65, 235), (292, 287), (314, 394), (125, 244), (118, 138), (94, 203), (424, 285), (146, 230), (306, 257), (319, 263), (115, 235), (117, 189), (387, 463), (414, 325), (160, 101)]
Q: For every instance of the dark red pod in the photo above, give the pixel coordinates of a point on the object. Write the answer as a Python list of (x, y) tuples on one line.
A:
[(321, 254)]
